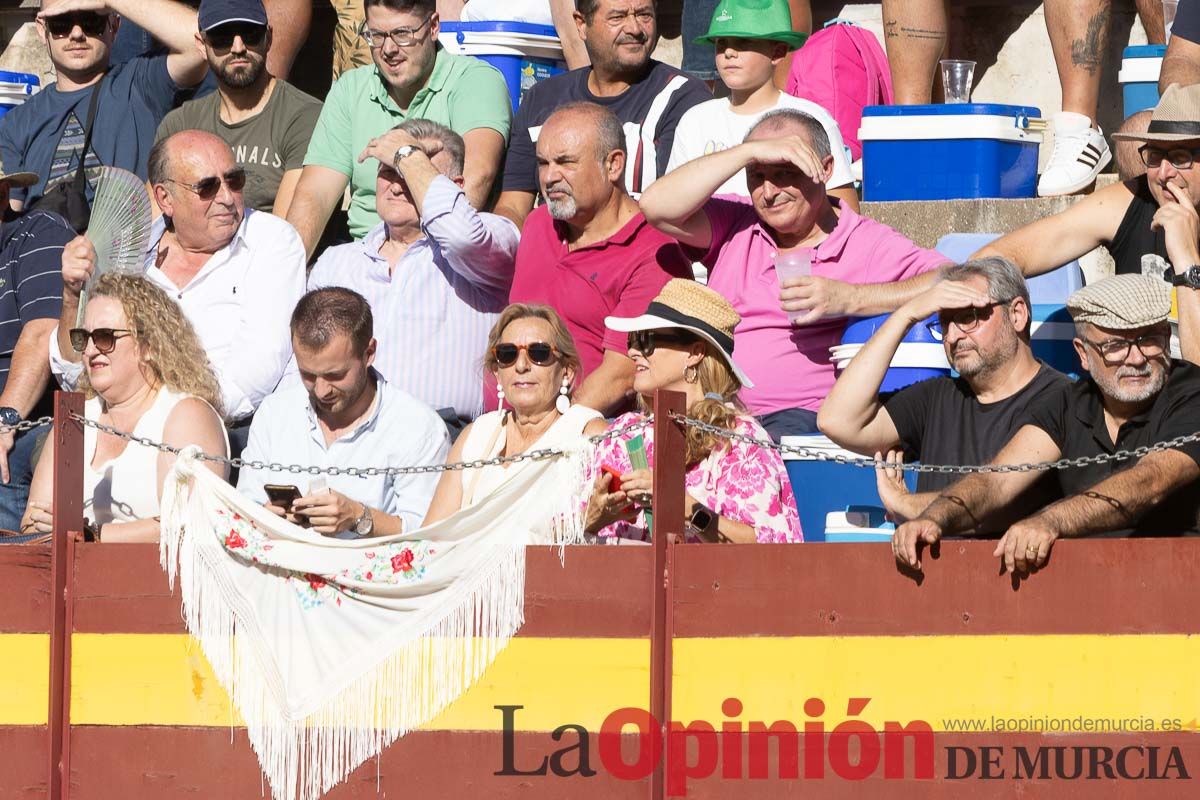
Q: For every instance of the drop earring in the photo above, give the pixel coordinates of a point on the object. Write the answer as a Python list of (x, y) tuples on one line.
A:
[(499, 396), (562, 402)]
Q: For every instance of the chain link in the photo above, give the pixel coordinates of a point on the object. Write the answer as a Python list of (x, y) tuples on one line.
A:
[(356, 472), (26, 425), (855, 461)]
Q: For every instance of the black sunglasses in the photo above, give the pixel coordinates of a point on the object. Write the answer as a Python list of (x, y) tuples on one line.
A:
[(207, 188), (105, 339), (645, 342), (91, 23), (222, 36), (540, 353)]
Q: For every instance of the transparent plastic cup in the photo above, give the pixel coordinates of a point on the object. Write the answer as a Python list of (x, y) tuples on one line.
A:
[(956, 79), (794, 264), (1169, 9)]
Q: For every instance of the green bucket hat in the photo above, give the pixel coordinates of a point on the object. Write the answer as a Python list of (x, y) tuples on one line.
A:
[(753, 19)]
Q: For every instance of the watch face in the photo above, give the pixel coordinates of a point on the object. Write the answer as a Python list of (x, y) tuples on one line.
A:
[(1192, 277), (9, 416)]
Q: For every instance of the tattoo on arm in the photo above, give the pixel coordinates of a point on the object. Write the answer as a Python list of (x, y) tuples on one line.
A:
[(893, 29), (1089, 51)]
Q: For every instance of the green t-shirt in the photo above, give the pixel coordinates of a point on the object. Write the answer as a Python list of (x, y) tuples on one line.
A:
[(462, 93), (267, 145)]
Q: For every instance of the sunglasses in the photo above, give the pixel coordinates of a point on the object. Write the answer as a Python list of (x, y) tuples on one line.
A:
[(966, 320), (105, 339), (1115, 351), (91, 23), (540, 353), (645, 342), (1180, 158), (207, 188), (222, 36)]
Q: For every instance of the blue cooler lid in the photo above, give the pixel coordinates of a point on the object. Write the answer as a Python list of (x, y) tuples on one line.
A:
[(953, 110), (19, 77), (1145, 51), (500, 26), (860, 330)]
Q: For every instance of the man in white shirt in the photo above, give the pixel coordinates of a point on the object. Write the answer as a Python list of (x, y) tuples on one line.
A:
[(236, 273), (436, 272), (344, 415)]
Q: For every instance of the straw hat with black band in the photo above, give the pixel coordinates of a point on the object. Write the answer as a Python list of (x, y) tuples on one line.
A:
[(1176, 118), (693, 307)]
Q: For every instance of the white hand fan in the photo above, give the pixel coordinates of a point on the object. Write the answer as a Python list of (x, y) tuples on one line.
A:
[(119, 227)]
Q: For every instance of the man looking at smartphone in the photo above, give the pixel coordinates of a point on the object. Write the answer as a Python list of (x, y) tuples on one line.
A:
[(343, 415)]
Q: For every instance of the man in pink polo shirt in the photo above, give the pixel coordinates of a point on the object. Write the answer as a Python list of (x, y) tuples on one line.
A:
[(859, 267), (588, 251)]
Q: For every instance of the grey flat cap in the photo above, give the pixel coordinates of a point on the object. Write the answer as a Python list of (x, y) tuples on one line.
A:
[(1122, 302)]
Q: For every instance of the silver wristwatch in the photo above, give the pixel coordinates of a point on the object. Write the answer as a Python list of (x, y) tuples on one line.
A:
[(402, 152), (364, 526)]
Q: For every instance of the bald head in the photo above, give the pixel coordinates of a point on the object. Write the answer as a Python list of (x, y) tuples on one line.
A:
[(593, 124), (198, 145)]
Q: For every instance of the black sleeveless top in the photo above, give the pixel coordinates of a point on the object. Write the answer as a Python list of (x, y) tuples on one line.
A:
[(1135, 247)]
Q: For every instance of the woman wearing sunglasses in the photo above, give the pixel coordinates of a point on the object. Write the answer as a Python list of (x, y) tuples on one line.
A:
[(532, 355), (145, 373), (736, 492)]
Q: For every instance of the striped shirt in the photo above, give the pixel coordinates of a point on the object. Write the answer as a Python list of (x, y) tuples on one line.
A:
[(31, 284), (434, 311)]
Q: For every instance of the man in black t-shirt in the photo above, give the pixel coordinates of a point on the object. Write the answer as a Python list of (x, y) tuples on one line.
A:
[(1148, 224), (984, 321), (647, 96), (1136, 396)]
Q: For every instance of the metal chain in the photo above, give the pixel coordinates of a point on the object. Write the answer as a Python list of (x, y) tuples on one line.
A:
[(357, 472), (26, 425), (818, 455)]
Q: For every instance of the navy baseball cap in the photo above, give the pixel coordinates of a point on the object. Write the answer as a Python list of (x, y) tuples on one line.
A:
[(219, 12)]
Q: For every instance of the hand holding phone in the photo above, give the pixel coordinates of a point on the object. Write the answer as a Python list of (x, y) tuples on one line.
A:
[(282, 495)]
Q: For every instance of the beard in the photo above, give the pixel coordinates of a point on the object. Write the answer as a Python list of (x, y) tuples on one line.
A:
[(241, 77), (564, 208), (1110, 385)]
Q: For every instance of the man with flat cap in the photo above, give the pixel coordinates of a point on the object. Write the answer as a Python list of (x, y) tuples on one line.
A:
[(1135, 395), (31, 287), (1149, 224)]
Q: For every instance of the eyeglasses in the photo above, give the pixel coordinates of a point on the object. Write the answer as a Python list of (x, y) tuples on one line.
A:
[(540, 353), (646, 342), (105, 339), (401, 37), (91, 23), (1114, 351), (1180, 158), (207, 188), (222, 36), (965, 319)]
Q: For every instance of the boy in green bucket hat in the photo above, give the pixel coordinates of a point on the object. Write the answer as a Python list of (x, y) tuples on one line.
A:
[(751, 38)]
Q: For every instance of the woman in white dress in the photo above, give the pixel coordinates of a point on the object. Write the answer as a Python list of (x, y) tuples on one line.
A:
[(532, 355), (146, 373)]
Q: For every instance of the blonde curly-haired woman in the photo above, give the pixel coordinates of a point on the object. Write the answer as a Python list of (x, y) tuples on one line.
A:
[(145, 373)]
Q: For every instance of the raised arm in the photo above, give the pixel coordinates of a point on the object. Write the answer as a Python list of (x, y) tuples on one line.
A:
[(317, 194), (173, 24), (963, 505), (485, 152), (1053, 241)]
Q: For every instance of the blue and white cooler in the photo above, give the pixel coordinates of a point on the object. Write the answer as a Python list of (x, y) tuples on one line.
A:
[(919, 356), (1140, 66), (524, 53), (14, 88), (950, 151)]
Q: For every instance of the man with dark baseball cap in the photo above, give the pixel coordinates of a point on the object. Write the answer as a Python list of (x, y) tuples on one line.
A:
[(1135, 395)]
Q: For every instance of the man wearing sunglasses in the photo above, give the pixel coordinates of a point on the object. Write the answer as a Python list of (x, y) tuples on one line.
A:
[(265, 120), (1135, 396), (983, 319), (1148, 224), (411, 77), (45, 134), (235, 272)]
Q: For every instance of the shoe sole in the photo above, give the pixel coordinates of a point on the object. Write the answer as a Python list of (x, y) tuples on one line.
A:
[(1076, 187)]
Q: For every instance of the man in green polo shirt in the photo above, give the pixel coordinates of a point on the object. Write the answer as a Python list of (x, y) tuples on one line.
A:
[(411, 77)]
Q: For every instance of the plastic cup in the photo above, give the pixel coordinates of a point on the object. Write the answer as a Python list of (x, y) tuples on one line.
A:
[(794, 264), (956, 79), (1169, 9)]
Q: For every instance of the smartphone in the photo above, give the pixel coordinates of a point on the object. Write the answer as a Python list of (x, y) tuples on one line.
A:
[(614, 485), (282, 495)]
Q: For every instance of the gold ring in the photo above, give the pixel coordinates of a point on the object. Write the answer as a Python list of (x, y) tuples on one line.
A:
[(1031, 549)]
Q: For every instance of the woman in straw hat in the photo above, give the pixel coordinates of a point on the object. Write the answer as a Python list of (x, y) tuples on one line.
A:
[(736, 492)]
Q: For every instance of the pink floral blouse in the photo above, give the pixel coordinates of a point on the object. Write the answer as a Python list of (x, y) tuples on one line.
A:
[(739, 481)]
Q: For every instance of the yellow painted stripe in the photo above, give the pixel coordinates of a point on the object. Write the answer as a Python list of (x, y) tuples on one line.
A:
[(164, 679), (24, 678), (938, 678)]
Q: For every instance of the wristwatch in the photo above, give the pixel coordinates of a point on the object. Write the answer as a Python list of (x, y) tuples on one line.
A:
[(9, 416), (364, 526), (1189, 277), (403, 152)]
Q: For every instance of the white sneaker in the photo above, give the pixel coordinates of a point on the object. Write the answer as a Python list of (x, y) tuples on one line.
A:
[(1080, 152)]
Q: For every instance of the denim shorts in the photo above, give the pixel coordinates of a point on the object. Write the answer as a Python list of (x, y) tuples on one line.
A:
[(698, 59)]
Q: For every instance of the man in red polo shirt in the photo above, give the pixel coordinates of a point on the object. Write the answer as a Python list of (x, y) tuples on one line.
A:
[(588, 251)]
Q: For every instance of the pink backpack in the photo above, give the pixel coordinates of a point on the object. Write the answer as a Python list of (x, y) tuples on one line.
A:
[(842, 68)]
